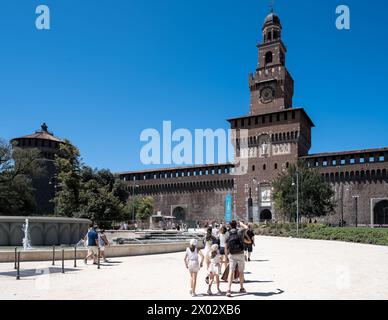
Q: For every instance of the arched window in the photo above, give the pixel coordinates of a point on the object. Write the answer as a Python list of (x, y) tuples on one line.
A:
[(268, 57), (264, 167), (253, 168), (269, 36), (276, 166)]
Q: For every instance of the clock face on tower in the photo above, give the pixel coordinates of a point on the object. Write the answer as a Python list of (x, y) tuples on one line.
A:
[(267, 95)]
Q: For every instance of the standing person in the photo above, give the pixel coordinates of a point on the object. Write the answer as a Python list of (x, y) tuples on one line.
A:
[(214, 268), (249, 242), (192, 264), (86, 236), (235, 255), (208, 241), (223, 236), (102, 243), (92, 242)]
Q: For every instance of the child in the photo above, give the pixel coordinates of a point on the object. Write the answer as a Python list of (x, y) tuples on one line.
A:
[(193, 265), (214, 268)]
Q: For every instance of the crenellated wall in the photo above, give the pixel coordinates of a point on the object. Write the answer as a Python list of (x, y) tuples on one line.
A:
[(190, 194), (360, 181)]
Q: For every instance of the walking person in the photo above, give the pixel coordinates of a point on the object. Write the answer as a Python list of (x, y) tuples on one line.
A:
[(208, 241), (92, 243), (102, 243), (193, 265), (249, 242), (235, 255), (214, 269), (223, 236)]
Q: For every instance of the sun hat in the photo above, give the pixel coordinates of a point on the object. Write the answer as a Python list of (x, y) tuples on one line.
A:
[(193, 243)]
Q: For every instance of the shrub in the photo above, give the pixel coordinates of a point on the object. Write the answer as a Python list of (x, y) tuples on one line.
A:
[(322, 232)]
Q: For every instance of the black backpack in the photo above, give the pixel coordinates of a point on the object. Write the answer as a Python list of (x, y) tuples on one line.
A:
[(235, 242)]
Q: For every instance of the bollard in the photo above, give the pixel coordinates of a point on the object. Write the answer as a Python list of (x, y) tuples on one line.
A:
[(53, 255), (18, 267), (63, 261), (75, 256), (16, 258), (98, 261)]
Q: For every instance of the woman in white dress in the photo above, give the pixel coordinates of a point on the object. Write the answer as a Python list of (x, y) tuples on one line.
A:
[(214, 269), (193, 265)]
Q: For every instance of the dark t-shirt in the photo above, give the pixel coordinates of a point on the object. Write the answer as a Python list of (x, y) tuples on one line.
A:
[(251, 234), (92, 237)]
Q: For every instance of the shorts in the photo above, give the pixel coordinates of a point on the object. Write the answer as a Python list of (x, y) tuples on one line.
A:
[(237, 260), (193, 266), (222, 251), (92, 250), (102, 249), (214, 270), (248, 247)]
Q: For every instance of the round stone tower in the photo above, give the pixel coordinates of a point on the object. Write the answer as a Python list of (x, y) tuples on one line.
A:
[(45, 184)]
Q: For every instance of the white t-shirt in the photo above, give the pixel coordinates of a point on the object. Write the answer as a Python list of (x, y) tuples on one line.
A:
[(192, 256), (223, 240)]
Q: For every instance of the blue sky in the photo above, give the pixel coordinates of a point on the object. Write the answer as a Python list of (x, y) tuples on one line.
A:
[(109, 69)]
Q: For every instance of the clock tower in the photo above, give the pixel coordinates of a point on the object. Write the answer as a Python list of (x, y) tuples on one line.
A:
[(274, 135), (271, 86)]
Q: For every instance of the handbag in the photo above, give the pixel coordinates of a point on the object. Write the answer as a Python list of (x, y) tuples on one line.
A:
[(225, 276)]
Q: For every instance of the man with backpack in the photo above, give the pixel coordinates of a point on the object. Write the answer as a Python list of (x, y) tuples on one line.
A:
[(234, 251)]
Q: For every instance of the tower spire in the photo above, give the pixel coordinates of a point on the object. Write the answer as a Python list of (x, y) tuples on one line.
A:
[(271, 6)]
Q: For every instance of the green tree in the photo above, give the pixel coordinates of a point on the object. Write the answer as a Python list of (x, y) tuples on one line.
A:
[(17, 169), (145, 209), (315, 195), (102, 197), (131, 208), (68, 165)]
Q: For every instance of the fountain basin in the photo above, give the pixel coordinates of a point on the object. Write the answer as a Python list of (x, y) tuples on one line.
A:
[(46, 254), (43, 231)]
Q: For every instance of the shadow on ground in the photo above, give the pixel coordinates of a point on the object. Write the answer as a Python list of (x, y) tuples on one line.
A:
[(25, 273), (259, 294)]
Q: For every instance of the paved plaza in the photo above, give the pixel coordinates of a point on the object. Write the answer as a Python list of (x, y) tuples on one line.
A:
[(281, 269)]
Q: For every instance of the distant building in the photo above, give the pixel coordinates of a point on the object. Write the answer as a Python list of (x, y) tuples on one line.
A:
[(279, 135), (44, 186)]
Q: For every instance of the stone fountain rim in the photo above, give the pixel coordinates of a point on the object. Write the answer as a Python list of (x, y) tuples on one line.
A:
[(32, 219)]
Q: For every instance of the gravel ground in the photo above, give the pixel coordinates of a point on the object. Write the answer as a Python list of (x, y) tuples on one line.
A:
[(281, 269)]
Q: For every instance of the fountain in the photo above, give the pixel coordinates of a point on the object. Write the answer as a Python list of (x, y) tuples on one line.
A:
[(26, 239)]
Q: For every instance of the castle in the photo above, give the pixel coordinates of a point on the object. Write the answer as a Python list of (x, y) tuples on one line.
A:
[(279, 134)]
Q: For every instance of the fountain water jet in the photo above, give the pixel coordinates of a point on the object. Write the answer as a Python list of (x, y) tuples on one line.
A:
[(26, 239)]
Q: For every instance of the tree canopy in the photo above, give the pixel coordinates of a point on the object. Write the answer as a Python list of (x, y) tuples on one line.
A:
[(17, 169), (68, 181), (85, 192), (315, 195)]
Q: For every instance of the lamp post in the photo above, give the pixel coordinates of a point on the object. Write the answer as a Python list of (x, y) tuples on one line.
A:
[(297, 201), (342, 224), (255, 183), (133, 201), (356, 207), (250, 205)]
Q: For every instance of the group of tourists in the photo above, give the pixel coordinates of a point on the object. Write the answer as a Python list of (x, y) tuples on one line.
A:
[(96, 241), (225, 246)]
